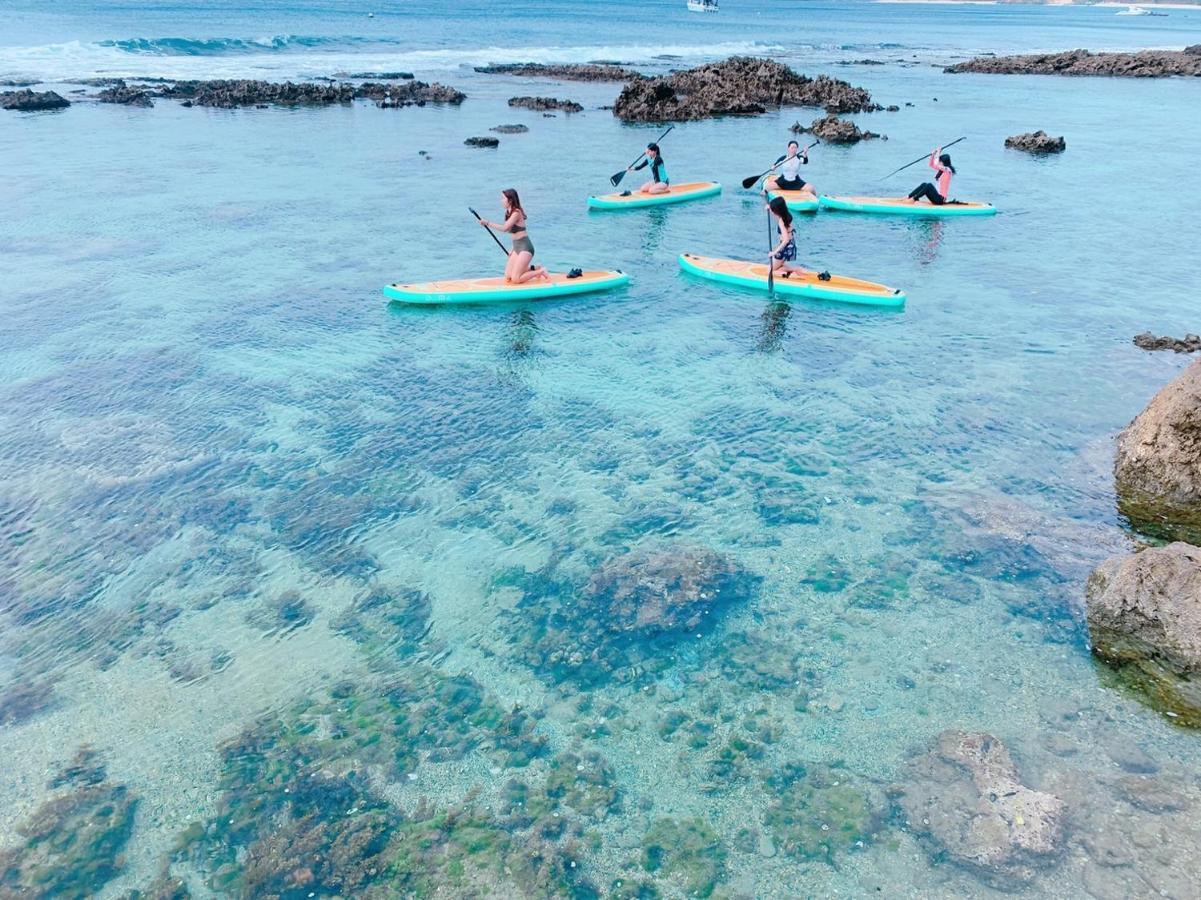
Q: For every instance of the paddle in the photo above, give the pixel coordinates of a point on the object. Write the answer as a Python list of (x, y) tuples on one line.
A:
[(615, 178), (489, 230), (920, 158), (771, 261), (750, 180)]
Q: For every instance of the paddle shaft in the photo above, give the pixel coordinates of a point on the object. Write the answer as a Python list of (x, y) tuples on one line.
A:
[(920, 158), (771, 260), (490, 233), (615, 178), (747, 182)]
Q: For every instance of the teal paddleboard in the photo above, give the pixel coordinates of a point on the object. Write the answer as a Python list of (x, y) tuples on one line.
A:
[(754, 275), (492, 290), (901, 206), (679, 193)]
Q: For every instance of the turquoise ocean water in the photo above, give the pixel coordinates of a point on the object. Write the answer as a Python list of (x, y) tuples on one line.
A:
[(260, 531)]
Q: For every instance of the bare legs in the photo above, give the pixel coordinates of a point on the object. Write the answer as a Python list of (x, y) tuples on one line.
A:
[(655, 187), (518, 270)]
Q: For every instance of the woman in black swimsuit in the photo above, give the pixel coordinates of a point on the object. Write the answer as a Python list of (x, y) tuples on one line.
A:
[(517, 269)]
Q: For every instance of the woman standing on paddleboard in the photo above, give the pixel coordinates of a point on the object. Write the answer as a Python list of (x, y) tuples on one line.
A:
[(517, 269), (941, 163), (790, 178), (659, 183)]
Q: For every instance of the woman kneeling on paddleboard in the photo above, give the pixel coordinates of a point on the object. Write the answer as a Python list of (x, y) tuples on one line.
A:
[(659, 183), (790, 178), (517, 269), (941, 163), (784, 253)]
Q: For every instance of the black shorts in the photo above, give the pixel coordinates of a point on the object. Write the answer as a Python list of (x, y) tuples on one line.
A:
[(794, 184)]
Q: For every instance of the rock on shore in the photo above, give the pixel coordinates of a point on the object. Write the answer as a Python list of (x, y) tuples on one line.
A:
[(741, 85), (572, 72), (1190, 343), (31, 101), (1144, 617), (1144, 64), (965, 799), (1157, 468), (833, 130), (1036, 142), (545, 104), (410, 93)]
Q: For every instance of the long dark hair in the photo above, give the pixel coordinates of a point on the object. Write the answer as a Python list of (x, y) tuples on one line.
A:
[(780, 207), (514, 201), (653, 146), (945, 159)]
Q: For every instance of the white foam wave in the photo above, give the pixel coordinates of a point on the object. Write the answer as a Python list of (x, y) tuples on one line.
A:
[(75, 59)]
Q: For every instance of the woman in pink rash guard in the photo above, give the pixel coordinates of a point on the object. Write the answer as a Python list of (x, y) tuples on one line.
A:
[(941, 163)]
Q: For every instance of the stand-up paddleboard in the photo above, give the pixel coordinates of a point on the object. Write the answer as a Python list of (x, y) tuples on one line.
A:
[(754, 275), (679, 193), (798, 201), (901, 206), (491, 290)]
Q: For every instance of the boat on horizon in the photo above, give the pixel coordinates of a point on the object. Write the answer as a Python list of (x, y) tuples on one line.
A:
[(702, 6), (1134, 10)]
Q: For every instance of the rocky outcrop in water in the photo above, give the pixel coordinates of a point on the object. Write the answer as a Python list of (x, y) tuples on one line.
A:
[(228, 94), (510, 129), (482, 142), (1036, 142), (833, 130), (1144, 617), (741, 85), (545, 104), (574, 72), (378, 76), (411, 93), (31, 101), (1158, 463), (1144, 64), (125, 95), (1190, 343), (965, 799)]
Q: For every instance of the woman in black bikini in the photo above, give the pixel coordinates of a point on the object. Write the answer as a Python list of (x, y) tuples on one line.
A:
[(517, 269), (783, 255)]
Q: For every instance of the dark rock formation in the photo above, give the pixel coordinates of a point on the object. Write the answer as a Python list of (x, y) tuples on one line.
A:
[(833, 130), (228, 94), (1144, 64), (965, 799), (482, 142), (29, 101), (128, 96), (1144, 617), (1157, 468), (510, 129), (411, 93), (231, 94), (1190, 343), (574, 72), (544, 104), (17, 83), (740, 85), (1036, 142)]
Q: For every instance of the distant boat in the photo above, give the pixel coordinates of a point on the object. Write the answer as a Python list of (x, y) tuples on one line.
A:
[(1138, 11), (702, 5)]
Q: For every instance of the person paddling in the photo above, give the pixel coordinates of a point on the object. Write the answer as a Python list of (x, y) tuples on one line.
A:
[(784, 253), (941, 163), (518, 269), (659, 183), (790, 178)]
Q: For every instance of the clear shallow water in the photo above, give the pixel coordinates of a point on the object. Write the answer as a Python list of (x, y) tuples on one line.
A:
[(219, 444)]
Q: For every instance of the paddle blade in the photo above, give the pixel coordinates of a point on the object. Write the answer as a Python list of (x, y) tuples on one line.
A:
[(750, 180), (615, 178)]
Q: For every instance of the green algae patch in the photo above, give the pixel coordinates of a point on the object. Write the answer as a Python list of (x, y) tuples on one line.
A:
[(586, 783), (686, 853), (72, 844), (821, 812)]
